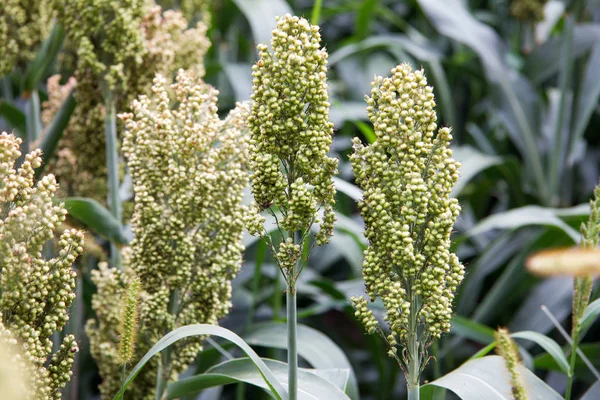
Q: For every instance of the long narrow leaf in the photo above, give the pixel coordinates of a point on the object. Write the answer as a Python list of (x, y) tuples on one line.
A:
[(55, 132), (488, 378), (261, 14), (311, 385), (45, 57), (97, 218), (547, 344), (15, 118), (201, 330), (315, 347)]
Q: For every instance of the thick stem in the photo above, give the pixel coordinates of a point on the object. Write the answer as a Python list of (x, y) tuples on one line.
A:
[(292, 350), (414, 358), (112, 167)]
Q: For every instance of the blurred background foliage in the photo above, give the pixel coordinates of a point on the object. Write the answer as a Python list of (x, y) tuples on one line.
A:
[(518, 83)]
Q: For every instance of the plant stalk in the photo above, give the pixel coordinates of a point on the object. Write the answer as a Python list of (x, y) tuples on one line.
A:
[(414, 362), (112, 167), (292, 330), (572, 360)]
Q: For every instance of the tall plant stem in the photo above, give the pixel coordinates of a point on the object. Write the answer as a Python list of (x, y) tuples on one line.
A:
[(292, 327), (414, 358), (572, 366), (112, 167)]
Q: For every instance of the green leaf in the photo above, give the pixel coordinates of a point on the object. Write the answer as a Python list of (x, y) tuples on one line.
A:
[(455, 21), (261, 14), (419, 51), (593, 393), (366, 130), (590, 314), (200, 330), (480, 333), (487, 378), (55, 132), (38, 69), (524, 216), (587, 101), (96, 217), (315, 347), (310, 385), (364, 17), (350, 190), (15, 118), (240, 78), (472, 163), (347, 111), (547, 344)]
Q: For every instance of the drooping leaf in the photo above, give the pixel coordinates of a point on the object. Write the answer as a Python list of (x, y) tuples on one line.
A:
[(240, 78), (524, 216), (592, 393), (547, 344), (488, 378), (350, 190), (97, 218), (590, 314), (183, 332), (311, 384), (315, 347), (472, 163), (261, 14)]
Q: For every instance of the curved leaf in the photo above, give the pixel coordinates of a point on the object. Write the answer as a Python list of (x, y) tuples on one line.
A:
[(315, 347), (547, 344), (472, 163), (487, 378), (204, 329), (524, 216), (590, 314), (350, 190), (96, 217), (261, 14), (310, 385)]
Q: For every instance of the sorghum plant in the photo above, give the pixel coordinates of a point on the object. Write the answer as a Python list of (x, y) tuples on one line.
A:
[(407, 176), (590, 236), (189, 169), (120, 46), (36, 293), (291, 135), (507, 348)]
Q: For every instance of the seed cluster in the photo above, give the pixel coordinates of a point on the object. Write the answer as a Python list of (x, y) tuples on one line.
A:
[(507, 348), (23, 26), (189, 170), (528, 10), (292, 133), (138, 42), (36, 293), (407, 176)]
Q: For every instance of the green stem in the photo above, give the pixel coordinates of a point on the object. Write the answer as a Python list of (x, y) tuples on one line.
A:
[(572, 367), (34, 124), (112, 167), (292, 331), (414, 359)]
